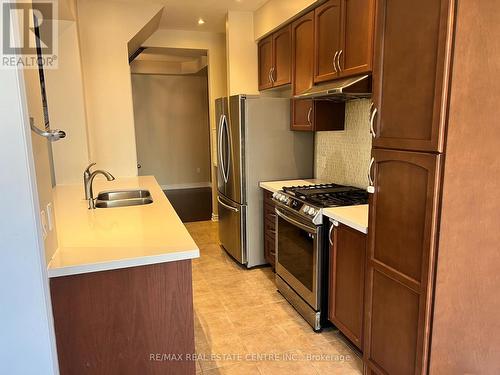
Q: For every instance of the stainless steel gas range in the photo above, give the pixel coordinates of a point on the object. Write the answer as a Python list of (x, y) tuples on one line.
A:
[(302, 244)]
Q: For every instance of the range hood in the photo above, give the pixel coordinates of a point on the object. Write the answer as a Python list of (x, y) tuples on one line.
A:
[(341, 90)]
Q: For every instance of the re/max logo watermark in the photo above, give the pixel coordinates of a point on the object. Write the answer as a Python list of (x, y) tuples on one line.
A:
[(29, 34)]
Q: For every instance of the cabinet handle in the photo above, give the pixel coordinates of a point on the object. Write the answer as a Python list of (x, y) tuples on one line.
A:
[(371, 187), (338, 60), (309, 116), (333, 224), (335, 61), (373, 110), (273, 69), (269, 75)]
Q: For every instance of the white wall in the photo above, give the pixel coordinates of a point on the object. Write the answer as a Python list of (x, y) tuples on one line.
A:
[(241, 50), (67, 107), (172, 129), (343, 156), (27, 343), (106, 27), (275, 13)]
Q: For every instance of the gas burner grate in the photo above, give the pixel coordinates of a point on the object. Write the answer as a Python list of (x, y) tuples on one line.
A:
[(328, 195)]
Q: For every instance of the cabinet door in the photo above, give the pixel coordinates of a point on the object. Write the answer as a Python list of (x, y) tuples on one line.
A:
[(265, 63), (327, 40), (302, 115), (302, 53), (269, 229), (411, 73), (347, 281), (401, 248), (282, 49), (356, 54)]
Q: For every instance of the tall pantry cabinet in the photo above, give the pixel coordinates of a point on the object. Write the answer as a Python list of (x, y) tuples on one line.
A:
[(422, 122)]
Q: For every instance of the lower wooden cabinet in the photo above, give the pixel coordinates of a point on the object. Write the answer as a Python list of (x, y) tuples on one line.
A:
[(317, 115), (400, 261), (269, 229), (347, 281), (124, 321)]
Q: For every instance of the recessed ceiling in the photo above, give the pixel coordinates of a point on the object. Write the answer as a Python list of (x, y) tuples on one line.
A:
[(184, 14)]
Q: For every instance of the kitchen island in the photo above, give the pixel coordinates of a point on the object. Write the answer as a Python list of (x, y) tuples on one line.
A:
[(121, 284)]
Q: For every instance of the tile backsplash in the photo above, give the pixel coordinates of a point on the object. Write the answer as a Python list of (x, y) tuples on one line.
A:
[(343, 156)]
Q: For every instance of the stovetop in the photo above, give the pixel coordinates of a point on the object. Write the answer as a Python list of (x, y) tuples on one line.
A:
[(309, 200), (328, 195)]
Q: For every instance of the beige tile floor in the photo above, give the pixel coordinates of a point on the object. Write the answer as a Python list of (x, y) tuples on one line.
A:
[(244, 326)]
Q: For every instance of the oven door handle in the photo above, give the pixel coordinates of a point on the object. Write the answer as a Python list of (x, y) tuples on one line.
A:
[(308, 229)]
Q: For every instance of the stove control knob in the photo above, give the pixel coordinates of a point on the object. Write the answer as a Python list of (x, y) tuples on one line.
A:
[(306, 209), (282, 198), (275, 194), (312, 211)]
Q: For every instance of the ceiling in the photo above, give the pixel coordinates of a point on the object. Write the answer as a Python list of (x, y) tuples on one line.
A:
[(184, 14), (171, 54)]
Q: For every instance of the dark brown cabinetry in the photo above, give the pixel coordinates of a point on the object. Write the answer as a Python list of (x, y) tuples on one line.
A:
[(265, 50), (425, 205), (110, 322), (401, 248), (347, 281), (316, 115), (302, 53), (327, 40), (332, 41), (343, 38), (269, 229), (275, 59), (410, 75), (356, 54)]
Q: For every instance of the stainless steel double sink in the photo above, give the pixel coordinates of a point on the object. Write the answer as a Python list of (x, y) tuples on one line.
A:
[(123, 198)]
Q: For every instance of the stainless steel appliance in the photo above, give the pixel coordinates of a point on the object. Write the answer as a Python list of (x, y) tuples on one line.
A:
[(302, 244), (254, 144)]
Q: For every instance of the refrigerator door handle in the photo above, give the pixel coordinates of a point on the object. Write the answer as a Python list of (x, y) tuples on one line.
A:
[(221, 159), (227, 206), (228, 167)]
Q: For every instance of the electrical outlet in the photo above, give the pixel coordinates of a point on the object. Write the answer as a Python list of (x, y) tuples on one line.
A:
[(50, 220), (43, 220)]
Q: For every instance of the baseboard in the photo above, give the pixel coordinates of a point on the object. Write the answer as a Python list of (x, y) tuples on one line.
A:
[(193, 185)]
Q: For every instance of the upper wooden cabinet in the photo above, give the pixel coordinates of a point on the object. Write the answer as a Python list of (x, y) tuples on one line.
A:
[(317, 115), (302, 53), (265, 49), (343, 41), (275, 59), (356, 54), (327, 40), (410, 75)]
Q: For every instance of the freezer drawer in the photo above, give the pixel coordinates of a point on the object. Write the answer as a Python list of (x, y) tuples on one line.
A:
[(232, 228)]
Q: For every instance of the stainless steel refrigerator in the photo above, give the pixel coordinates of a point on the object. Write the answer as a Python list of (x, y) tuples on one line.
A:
[(254, 144)]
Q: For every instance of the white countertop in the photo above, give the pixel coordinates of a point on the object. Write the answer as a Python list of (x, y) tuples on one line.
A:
[(274, 186), (355, 217), (111, 238)]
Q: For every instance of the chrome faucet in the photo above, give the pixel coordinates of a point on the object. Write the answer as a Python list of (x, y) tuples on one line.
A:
[(89, 192), (86, 178)]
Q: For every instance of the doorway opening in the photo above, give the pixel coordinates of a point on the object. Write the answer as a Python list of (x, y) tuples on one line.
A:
[(172, 130)]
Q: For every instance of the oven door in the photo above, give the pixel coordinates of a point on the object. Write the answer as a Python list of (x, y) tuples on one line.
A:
[(297, 255)]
